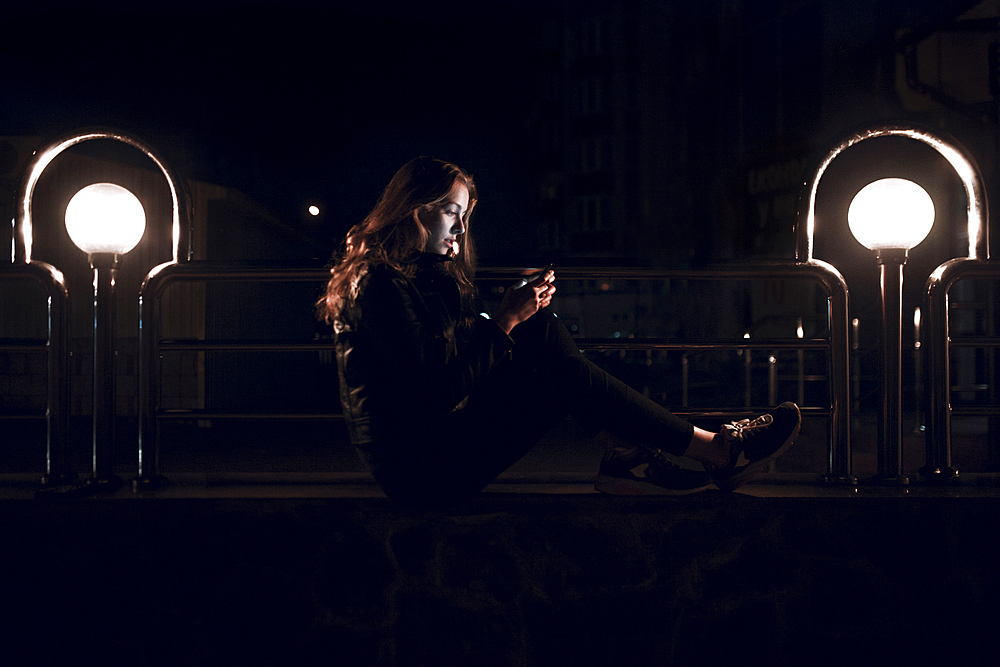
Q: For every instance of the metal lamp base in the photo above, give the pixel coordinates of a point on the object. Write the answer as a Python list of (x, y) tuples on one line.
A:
[(891, 480), (149, 483), (946, 475), (839, 480)]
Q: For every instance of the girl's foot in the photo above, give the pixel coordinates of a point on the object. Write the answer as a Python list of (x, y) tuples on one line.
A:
[(754, 443)]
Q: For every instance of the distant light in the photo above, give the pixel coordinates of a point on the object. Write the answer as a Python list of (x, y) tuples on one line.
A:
[(105, 218), (313, 210), (891, 213)]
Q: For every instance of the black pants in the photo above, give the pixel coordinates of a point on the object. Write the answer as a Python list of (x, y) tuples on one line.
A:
[(545, 380)]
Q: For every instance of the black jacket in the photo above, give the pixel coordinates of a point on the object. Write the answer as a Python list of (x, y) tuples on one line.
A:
[(403, 359)]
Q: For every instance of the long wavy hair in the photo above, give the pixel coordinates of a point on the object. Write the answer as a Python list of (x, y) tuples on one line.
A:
[(393, 234)]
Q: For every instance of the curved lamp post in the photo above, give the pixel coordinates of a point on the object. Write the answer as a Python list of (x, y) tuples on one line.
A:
[(105, 221), (91, 223), (975, 192)]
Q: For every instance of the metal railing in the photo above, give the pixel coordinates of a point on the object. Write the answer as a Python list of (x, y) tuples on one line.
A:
[(152, 345), (938, 347), (56, 346)]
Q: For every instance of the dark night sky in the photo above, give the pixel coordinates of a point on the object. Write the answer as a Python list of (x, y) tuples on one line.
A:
[(286, 102), (296, 101)]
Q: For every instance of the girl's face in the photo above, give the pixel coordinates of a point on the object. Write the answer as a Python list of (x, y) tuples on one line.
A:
[(445, 221)]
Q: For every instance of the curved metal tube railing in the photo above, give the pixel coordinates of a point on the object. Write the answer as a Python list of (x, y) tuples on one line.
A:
[(150, 344), (159, 280), (938, 355), (56, 345)]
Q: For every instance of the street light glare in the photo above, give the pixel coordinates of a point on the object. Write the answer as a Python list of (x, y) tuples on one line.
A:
[(105, 218), (891, 213)]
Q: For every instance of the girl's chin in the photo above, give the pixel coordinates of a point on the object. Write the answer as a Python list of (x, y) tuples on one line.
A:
[(449, 249)]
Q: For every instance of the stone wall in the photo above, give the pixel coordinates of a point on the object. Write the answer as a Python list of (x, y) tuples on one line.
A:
[(506, 579)]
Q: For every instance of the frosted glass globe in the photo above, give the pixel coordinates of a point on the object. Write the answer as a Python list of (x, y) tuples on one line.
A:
[(891, 213), (105, 218)]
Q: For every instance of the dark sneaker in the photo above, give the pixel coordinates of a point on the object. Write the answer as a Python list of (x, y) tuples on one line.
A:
[(634, 471), (754, 443)]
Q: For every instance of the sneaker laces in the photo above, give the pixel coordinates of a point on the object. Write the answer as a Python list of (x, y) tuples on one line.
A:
[(739, 430), (661, 458), (651, 456)]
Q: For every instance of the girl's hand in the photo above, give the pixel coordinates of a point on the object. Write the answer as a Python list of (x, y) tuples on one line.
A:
[(521, 302)]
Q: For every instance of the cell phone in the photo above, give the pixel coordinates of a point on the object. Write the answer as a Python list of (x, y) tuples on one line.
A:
[(525, 281), (543, 271)]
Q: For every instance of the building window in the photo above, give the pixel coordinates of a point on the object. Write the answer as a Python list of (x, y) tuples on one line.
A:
[(590, 95), (585, 39), (591, 214), (591, 155), (591, 37)]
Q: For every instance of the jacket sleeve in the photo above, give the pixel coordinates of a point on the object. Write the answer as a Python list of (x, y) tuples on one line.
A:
[(417, 367)]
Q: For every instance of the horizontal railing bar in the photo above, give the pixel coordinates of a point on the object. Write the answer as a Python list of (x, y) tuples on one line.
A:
[(23, 343), (293, 272), (975, 411), (208, 414), (729, 413), (975, 341), (192, 344), (223, 272), (767, 270), (669, 344), (719, 413), (955, 388), (23, 415)]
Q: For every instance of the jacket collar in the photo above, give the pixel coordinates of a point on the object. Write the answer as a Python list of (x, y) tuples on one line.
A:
[(429, 258)]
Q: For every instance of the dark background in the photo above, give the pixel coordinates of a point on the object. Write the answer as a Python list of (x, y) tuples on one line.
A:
[(288, 102), (303, 102)]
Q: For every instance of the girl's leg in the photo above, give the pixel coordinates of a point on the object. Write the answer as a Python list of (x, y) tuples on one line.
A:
[(545, 380), (548, 378), (467, 450), (572, 384)]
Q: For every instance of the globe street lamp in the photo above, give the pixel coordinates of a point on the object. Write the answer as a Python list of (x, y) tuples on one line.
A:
[(181, 217), (890, 216), (105, 221), (934, 334)]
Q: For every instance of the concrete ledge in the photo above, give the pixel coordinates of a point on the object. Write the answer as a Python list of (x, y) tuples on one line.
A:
[(505, 579)]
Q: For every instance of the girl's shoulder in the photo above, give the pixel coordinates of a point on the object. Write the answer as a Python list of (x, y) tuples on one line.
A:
[(383, 273), (381, 279)]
